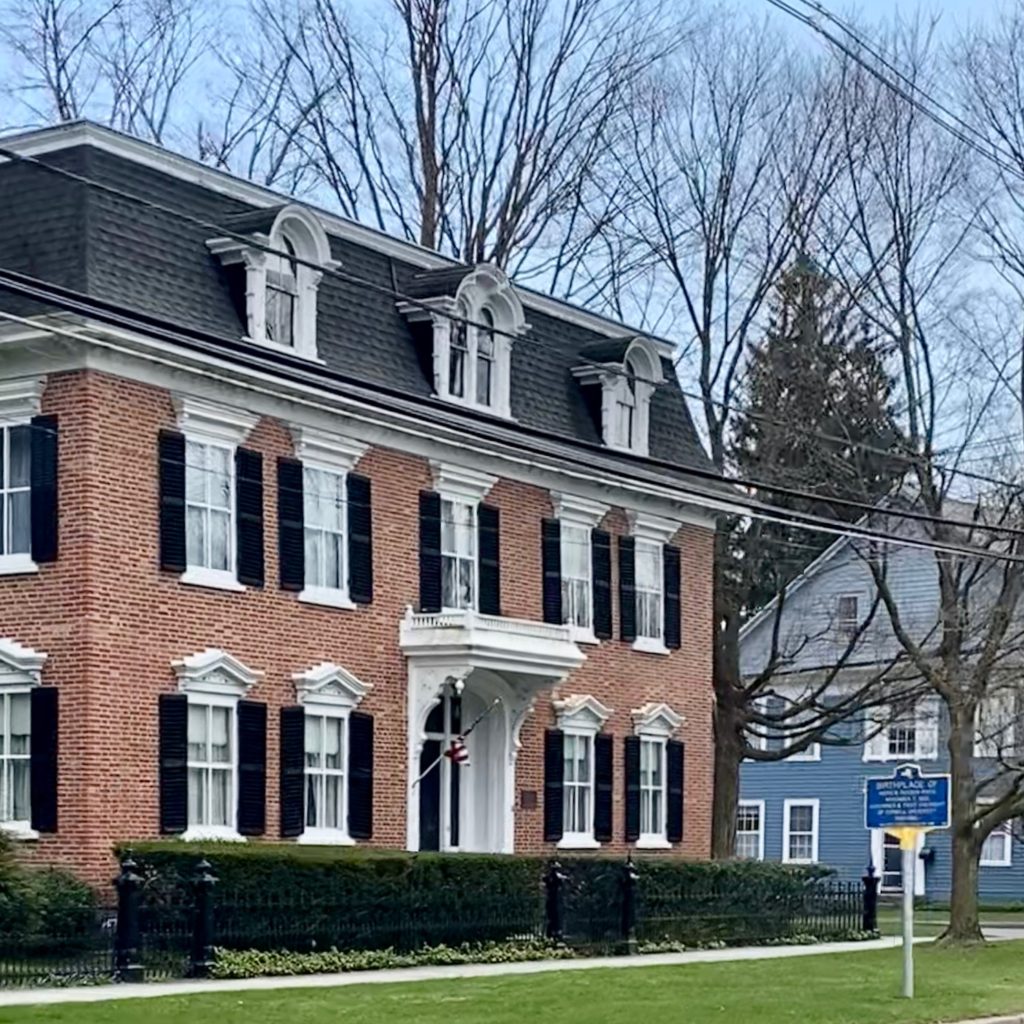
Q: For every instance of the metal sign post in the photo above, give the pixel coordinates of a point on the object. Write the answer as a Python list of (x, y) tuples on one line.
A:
[(907, 804)]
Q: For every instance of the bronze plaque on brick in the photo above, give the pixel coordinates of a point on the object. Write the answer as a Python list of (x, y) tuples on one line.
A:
[(528, 799)]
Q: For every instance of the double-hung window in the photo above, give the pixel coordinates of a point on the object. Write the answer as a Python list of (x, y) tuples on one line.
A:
[(578, 787), (485, 353), (652, 789), (15, 490), (650, 615), (458, 554), (211, 764), (750, 830), (324, 528), (910, 733), (209, 506), (996, 851), (800, 832), (15, 741), (577, 576), (326, 757), (282, 296)]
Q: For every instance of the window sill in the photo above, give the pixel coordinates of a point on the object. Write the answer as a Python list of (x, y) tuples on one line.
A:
[(580, 635), (576, 841), (215, 579), (327, 597), (794, 860), (219, 833), (649, 645), (324, 837), (898, 758), (995, 864), (17, 565), (21, 831), (288, 350), (489, 410), (653, 843)]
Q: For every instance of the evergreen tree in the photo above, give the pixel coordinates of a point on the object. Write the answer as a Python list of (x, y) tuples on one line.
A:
[(817, 416)]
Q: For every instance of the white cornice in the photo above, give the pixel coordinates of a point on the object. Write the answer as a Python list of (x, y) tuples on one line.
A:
[(77, 133), (581, 711), (215, 671), (329, 684), (655, 719), (459, 482), (573, 508), (209, 421), (20, 398), (20, 665), (326, 449), (655, 528)]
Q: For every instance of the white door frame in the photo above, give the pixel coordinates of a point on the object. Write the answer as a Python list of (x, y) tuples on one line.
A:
[(878, 859)]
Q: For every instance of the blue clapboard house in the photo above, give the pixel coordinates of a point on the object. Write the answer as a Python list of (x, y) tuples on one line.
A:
[(809, 808)]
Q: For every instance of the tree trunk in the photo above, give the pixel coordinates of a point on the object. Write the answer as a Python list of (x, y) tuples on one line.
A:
[(964, 927)]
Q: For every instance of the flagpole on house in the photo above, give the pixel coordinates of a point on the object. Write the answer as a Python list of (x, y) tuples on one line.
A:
[(448, 753)]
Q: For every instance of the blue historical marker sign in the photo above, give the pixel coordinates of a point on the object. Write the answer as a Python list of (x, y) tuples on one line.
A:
[(907, 798)]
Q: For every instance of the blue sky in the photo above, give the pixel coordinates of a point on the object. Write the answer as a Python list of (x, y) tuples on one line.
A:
[(953, 15)]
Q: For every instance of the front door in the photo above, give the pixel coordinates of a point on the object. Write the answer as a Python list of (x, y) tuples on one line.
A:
[(887, 858)]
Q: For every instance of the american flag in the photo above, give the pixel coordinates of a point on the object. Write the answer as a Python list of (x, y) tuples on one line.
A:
[(458, 752)]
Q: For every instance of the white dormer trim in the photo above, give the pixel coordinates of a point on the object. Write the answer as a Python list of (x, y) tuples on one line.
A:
[(656, 720), (572, 508), (214, 671), (330, 684), (308, 238), (658, 529), (458, 483), (201, 420), (581, 713), (20, 399), (20, 665), (324, 449)]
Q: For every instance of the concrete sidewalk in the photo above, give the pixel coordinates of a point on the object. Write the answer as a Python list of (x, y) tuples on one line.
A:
[(149, 990)]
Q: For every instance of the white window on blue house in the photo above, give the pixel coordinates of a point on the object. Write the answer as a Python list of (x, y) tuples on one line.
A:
[(994, 732), (910, 734), (997, 850), (800, 832), (750, 830)]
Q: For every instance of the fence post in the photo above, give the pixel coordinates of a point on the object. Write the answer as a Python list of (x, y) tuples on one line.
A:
[(870, 880), (554, 918), (630, 876), (126, 944), (203, 955)]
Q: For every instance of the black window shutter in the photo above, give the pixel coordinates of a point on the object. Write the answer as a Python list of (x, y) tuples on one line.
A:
[(291, 544), (631, 764), (293, 769), (360, 775), (627, 588), (44, 488), (554, 793), (249, 518), (673, 609), (488, 523), (252, 767), (675, 754), (43, 758), (173, 762), (430, 551), (171, 448), (551, 561), (601, 559), (360, 539), (604, 773)]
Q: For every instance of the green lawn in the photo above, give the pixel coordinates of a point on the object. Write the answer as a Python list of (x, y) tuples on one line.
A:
[(855, 988)]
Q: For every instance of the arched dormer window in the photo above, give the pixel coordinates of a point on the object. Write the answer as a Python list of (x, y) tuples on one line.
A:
[(474, 321), (627, 370), (282, 272)]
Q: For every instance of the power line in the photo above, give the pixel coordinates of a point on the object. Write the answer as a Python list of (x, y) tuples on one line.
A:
[(714, 500)]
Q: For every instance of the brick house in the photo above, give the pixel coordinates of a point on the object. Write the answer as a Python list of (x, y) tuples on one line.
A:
[(288, 505)]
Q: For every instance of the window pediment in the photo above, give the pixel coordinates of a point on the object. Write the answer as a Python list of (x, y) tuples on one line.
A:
[(20, 665), (215, 671), (20, 399), (581, 711), (328, 683), (656, 719)]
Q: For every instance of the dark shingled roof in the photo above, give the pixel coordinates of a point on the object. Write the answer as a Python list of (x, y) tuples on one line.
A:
[(154, 263), (611, 350)]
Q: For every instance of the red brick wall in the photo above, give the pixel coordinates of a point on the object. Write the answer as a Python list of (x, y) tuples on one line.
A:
[(112, 622)]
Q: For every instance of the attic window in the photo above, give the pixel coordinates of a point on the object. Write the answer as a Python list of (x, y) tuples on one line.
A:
[(474, 317), (280, 275), (627, 371)]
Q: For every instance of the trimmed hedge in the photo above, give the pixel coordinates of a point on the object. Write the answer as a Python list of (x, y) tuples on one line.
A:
[(302, 898)]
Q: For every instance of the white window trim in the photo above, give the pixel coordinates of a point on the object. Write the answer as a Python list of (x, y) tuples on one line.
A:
[(1007, 861), (214, 677), (759, 804), (582, 715), (787, 805), (927, 706), (20, 400), (21, 671), (843, 635), (584, 513), (205, 422), (992, 747), (657, 722), (311, 245), (325, 450), (654, 530)]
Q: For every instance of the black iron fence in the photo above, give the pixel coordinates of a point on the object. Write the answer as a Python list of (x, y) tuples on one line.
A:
[(153, 934)]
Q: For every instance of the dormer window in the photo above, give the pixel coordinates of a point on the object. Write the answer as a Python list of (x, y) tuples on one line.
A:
[(627, 371), (281, 273), (474, 316)]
